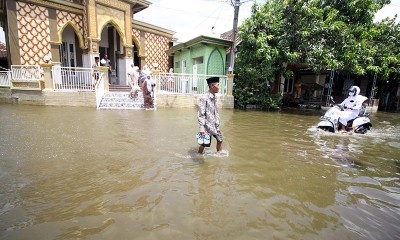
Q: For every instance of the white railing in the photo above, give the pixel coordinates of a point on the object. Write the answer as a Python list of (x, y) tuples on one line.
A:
[(189, 84), (5, 78), (72, 79), (99, 90), (26, 72)]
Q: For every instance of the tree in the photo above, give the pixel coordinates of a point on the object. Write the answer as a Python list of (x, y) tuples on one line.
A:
[(385, 57), (323, 34)]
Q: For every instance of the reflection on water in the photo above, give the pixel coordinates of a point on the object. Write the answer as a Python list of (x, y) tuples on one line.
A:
[(69, 173)]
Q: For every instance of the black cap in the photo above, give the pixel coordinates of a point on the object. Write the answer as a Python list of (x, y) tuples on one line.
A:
[(212, 80), (95, 58)]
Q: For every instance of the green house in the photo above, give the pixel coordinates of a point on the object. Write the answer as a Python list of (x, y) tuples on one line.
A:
[(201, 55)]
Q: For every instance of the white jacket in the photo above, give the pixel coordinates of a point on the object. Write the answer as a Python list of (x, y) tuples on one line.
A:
[(354, 102)]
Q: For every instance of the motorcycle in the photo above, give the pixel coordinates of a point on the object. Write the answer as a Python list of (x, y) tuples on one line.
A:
[(330, 120)]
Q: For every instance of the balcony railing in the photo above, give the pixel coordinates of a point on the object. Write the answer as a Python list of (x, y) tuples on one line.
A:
[(83, 79), (26, 72), (72, 79), (175, 83), (5, 78)]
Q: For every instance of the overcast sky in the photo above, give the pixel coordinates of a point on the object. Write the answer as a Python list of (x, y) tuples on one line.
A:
[(191, 18)]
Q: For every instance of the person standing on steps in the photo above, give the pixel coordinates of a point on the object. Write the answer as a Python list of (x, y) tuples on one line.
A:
[(147, 89), (143, 74), (133, 76), (107, 63), (208, 116), (96, 71)]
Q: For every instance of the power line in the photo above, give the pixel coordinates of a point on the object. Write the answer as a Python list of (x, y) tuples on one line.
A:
[(208, 17), (216, 19)]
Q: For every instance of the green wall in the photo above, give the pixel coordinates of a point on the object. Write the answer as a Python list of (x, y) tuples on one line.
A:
[(214, 59)]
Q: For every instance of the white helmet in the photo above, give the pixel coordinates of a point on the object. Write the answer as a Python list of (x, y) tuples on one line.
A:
[(353, 91)]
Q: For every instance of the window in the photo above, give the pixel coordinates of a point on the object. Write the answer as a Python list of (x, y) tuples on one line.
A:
[(184, 66), (288, 88), (198, 60), (67, 54), (177, 65)]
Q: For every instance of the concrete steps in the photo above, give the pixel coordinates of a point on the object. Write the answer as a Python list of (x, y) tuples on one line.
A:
[(121, 100), (119, 88)]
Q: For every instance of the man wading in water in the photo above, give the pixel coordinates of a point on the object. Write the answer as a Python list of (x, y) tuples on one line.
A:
[(208, 116)]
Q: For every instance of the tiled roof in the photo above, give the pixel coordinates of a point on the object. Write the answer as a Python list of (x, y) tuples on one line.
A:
[(199, 40), (3, 50), (228, 36)]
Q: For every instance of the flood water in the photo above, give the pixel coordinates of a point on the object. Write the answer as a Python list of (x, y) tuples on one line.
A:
[(78, 173)]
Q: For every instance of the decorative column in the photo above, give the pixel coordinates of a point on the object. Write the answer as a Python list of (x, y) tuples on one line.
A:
[(93, 52), (142, 52), (125, 65), (14, 57), (104, 71), (91, 31), (47, 77), (229, 84), (156, 75)]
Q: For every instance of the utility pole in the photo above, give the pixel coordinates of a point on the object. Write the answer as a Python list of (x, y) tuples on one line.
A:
[(236, 5)]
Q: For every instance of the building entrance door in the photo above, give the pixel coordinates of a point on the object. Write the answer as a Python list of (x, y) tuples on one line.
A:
[(68, 54)]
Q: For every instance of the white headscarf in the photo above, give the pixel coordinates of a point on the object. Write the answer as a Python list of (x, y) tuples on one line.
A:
[(150, 81)]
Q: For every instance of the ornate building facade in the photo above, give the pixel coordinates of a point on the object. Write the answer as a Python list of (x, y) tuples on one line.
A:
[(72, 33)]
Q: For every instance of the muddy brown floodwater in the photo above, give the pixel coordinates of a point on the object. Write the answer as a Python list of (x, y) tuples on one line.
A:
[(78, 173)]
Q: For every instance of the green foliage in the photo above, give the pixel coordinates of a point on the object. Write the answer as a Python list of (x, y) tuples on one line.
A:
[(385, 50), (259, 97), (323, 34)]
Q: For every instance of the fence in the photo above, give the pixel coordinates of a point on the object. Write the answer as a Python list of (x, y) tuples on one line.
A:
[(99, 87), (189, 84), (72, 79), (82, 79), (5, 78), (26, 72)]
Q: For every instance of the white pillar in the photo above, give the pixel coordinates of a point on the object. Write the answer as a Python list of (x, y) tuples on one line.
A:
[(124, 65), (88, 59)]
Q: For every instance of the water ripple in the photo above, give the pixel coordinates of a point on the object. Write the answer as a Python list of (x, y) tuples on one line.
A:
[(117, 174)]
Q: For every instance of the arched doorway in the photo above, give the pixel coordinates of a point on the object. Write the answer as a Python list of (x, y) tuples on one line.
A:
[(215, 65), (112, 45), (70, 53), (136, 52), (136, 60)]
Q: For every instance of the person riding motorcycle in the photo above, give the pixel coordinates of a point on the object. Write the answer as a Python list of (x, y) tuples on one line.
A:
[(352, 106)]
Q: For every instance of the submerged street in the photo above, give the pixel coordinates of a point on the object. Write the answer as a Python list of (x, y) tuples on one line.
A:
[(71, 172)]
